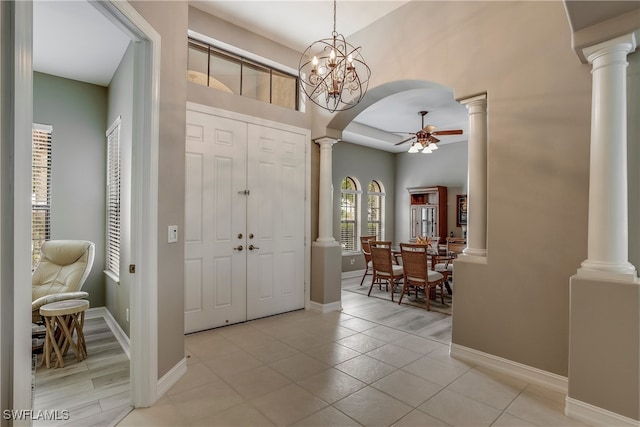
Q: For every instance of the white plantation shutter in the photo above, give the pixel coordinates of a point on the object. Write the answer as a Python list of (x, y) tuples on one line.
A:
[(349, 214), (113, 199), (375, 210), (41, 189)]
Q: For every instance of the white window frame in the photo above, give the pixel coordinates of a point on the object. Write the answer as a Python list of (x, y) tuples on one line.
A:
[(113, 202), (357, 193), (45, 133), (381, 207)]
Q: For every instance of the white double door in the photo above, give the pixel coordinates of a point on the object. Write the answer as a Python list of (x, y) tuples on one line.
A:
[(244, 221)]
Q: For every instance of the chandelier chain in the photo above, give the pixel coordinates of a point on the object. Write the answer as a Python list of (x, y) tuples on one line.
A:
[(334, 17)]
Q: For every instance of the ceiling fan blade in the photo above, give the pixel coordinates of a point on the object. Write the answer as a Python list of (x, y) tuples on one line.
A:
[(404, 140), (429, 129), (433, 139), (448, 132)]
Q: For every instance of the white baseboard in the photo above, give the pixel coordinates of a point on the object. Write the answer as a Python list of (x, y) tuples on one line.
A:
[(170, 378), (117, 331), (325, 308), (595, 416), (352, 274), (527, 373)]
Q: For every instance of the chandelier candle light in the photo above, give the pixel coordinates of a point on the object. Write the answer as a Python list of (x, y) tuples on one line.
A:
[(336, 78)]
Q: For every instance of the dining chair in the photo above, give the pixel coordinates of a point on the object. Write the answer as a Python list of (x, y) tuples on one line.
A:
[(383, 267), (443, 264), (455, 245), (366, 251), (417, 273)]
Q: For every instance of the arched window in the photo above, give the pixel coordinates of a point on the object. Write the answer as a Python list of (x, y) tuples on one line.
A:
[(349, 226), (375, 210)]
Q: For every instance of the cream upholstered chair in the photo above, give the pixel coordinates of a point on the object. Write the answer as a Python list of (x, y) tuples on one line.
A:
[(63, 268)]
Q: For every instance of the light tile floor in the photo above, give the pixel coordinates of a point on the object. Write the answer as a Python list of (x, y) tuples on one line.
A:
[(373, 364)]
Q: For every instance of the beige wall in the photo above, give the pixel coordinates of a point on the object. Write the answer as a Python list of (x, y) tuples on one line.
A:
[(364, 164), (169, 19), (604, 368), (516, 306), (539, 96), (446, 167)]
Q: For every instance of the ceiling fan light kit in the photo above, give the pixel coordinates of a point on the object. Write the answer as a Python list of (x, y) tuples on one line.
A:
[(336, 78), (425, 141)]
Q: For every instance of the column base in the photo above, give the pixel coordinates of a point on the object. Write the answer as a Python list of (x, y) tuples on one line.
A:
[(625, 272), (326, 272), (475, 252), (325, 242), (604, 348)]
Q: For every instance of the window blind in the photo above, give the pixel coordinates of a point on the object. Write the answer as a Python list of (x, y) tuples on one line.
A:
[(348, 214), (375, 211), (41, 190), (113, 199)]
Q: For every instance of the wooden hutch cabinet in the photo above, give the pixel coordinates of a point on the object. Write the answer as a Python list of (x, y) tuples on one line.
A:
[(428, 212)]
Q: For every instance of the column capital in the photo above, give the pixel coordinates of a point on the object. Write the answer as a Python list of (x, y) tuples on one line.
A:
[(625, 44), (326, 141), (475, 101)]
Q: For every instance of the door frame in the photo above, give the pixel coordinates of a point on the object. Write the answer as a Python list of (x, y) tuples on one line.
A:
[(201, 108), (16, 204)]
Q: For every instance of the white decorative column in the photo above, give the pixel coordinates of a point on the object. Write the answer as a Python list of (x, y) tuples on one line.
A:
[(326, 253), (604, 294), (477, 177), (607, 251), (325, 202)]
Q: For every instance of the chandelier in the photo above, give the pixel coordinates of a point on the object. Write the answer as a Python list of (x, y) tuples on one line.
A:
[(337, 77)]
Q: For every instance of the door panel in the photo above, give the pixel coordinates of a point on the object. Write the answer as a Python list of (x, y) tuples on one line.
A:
[(275, 271), (215, 214), (225, 157)]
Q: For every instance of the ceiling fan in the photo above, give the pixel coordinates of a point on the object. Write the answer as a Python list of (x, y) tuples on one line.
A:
[(426, 135)]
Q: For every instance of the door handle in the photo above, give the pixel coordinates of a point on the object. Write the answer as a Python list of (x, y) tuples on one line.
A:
[(251, 247), (239, 248)]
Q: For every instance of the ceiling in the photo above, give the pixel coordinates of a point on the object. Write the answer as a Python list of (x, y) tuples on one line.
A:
[(72, 39), (94, 56), (310, 20)]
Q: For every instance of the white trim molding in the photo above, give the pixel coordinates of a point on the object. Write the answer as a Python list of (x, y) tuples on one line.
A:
[(121, 336), (144, 213), (595, 416), (169, 379), (518, 370), (325, 308), (352, 274)]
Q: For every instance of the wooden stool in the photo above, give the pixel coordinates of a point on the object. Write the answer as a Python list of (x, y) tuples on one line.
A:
[(62, 319)]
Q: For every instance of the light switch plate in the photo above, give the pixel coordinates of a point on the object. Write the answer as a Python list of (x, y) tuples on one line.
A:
[(173, 234)]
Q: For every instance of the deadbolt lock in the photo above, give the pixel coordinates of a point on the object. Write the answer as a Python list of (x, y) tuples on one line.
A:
[(251, 235), (239, 235)]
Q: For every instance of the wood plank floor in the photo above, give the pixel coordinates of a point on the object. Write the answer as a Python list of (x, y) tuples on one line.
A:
[(95, 392)]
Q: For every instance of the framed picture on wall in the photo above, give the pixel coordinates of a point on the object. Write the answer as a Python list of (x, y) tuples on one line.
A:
[(461, 217)]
